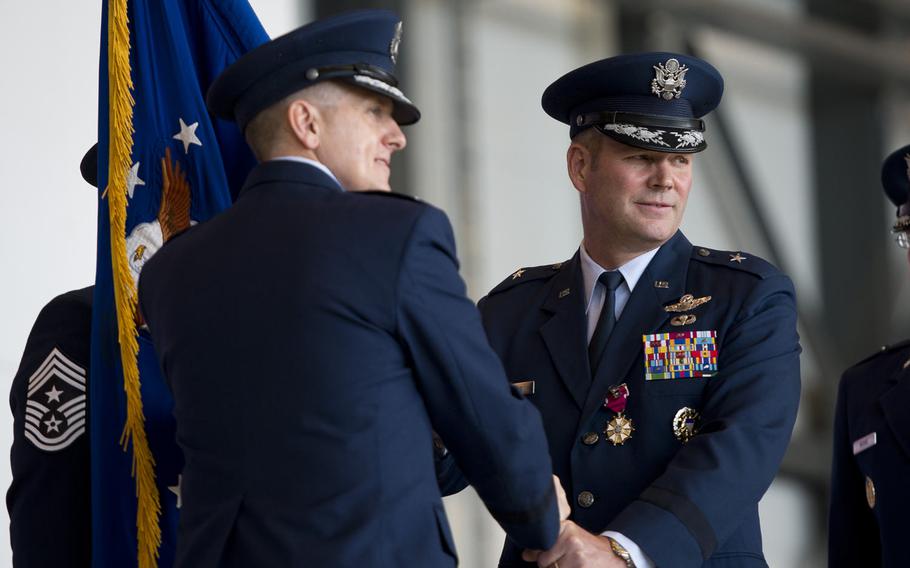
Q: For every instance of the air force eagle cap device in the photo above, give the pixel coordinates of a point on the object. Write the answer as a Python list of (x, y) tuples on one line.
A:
[(653, 101), (359, 47)]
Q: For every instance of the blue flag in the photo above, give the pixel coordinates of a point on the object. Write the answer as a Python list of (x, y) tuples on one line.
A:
[(185, 168)]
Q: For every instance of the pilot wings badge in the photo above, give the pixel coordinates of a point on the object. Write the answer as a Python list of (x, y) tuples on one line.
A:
[(669, 79), (686, 303)]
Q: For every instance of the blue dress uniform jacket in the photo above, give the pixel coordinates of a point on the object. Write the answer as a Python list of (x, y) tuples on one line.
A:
[(49, 501), (869, 479), (693, 504), (313, 339)]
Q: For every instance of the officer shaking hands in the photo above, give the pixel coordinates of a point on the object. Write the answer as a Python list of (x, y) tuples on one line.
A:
[(316, 333), (667, 374), (867, 521)]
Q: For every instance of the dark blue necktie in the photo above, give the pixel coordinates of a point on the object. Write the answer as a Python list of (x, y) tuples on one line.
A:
[(607, 320)]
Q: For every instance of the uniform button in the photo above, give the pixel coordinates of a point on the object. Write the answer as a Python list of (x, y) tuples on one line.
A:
[(704, 252), (585, 499), (590, 438)]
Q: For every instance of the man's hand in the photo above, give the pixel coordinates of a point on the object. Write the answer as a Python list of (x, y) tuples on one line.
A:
[(576, 548), (564, 509)]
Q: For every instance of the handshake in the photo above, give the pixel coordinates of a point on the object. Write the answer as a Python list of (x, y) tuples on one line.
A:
[(575, 547)]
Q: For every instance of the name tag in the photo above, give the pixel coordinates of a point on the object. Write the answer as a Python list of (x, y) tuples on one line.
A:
[(526, 388), (864, 443), (680, 355)]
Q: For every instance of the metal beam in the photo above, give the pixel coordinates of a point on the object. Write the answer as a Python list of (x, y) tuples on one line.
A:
[(837, 49)]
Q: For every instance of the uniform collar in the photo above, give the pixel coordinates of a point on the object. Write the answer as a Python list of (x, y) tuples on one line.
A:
[(290, 172), (313, 163), (631, 271)]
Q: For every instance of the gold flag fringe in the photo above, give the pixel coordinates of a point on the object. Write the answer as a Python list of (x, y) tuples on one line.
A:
[(120, 104)]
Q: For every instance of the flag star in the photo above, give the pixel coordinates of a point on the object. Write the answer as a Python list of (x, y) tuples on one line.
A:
[(53, 424), (132, 179), (187, 135), (175, 489), (53, 394)]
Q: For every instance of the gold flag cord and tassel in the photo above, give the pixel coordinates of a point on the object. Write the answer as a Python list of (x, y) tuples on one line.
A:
[(120, 103)]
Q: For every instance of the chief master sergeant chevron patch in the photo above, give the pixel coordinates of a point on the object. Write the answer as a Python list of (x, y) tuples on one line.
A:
[(55, 407)]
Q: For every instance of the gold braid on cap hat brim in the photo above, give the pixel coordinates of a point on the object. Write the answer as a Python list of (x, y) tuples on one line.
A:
[(901, 225)]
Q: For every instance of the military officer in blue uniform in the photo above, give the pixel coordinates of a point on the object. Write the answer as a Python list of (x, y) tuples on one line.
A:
[(667, 374), (315, 334), (49, 499), (867, 522)]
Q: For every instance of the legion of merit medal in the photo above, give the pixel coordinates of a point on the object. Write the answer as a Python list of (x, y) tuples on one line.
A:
[(620, 428)]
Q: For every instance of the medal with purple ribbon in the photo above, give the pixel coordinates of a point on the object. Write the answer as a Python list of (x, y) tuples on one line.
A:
[(620, 428)]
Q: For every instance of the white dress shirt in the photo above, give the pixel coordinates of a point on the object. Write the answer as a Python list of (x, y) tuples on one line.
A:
[(596, 295)]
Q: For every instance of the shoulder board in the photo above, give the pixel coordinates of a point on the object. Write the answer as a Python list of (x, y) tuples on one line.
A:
[(737, 260), (526, 274), (388, 194), (884, 350)]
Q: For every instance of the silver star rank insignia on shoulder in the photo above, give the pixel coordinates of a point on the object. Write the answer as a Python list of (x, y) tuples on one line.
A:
[(517, 274), (737, 258)]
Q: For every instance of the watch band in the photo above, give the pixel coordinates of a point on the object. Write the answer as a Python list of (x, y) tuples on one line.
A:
[(620, 551)]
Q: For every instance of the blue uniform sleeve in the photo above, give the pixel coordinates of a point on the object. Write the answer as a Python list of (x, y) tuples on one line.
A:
[(495, 437), (853, 538), (748, 416), (49, 499)]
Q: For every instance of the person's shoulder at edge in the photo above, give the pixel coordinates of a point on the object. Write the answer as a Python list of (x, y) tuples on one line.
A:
[(898, 352)]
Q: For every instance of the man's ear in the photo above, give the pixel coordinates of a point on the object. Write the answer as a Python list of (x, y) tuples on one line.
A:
[(578, 162), (305, 122)]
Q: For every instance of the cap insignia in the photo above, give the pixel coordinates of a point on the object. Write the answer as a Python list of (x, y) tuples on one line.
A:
[(688, 138), (394, 92), (669, 80), (684, 139), (655, 137), (396, 41)]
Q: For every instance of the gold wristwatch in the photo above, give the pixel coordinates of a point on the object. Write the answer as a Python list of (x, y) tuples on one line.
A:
[(620, 551)]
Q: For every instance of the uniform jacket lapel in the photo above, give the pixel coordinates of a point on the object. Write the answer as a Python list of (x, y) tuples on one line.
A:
[(895, 404), (565, 332), (644, 313)]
